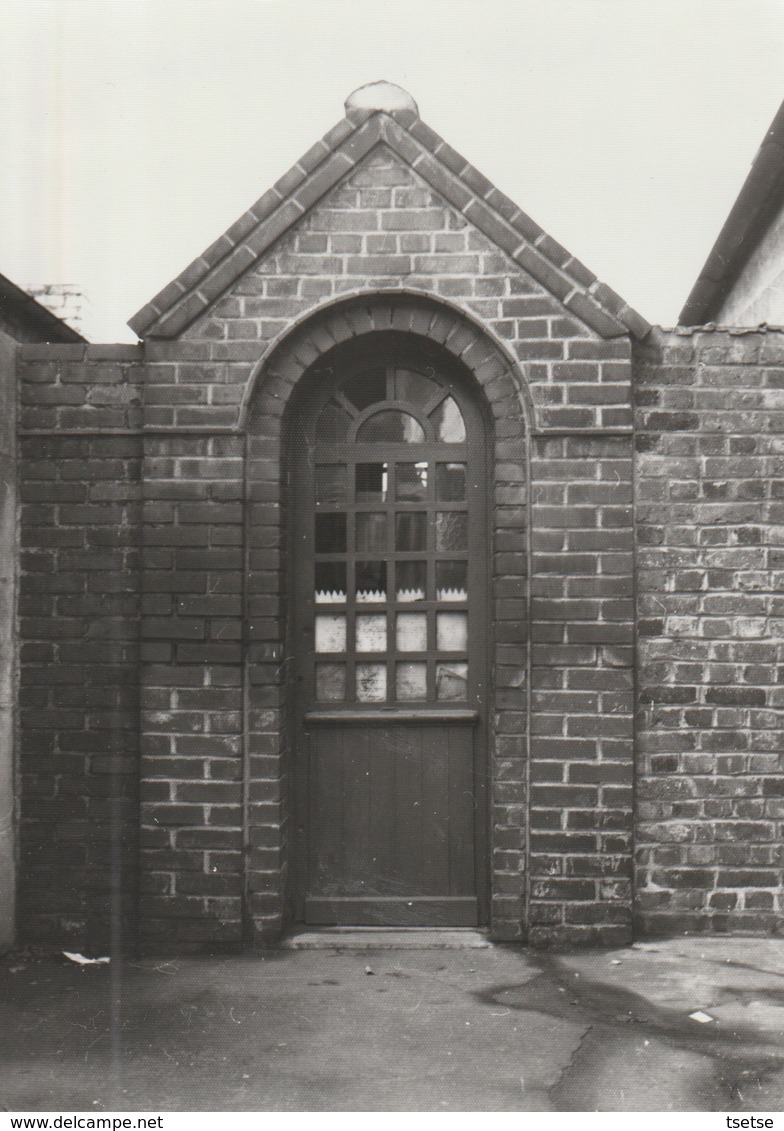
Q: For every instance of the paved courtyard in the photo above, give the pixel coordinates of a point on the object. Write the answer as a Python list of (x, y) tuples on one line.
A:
[(344, 1024)]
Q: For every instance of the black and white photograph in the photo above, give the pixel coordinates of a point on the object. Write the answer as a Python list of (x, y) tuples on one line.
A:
[(391, 561)]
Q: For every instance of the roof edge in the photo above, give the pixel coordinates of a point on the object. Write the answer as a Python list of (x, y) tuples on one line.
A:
[(258, 212), (41, 316), (759, 199), (448, 173)]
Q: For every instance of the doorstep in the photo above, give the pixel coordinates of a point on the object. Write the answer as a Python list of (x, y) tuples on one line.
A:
[(386, 938)]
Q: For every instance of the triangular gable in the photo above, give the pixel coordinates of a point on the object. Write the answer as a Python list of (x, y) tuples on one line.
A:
[(324, 165)]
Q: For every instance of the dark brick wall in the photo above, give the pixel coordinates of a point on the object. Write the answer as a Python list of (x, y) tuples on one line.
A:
[(79, 483), (710, 509)]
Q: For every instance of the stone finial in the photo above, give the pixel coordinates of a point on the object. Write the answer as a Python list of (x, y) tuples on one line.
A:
[(381, 96)]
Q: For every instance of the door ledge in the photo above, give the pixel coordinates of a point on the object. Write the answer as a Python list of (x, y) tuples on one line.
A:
[(386, 938)]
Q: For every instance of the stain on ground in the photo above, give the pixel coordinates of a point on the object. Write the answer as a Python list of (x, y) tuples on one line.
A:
[(675, 1061)]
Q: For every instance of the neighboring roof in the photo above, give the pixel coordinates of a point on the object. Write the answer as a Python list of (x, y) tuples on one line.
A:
[(382, 113), (23, 309), (758, 203)]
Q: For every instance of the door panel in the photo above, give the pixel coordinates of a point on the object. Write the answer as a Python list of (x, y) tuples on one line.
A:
[(390, 625), (391, 824)]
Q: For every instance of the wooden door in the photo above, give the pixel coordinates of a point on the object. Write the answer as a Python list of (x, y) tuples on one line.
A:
[(390, 625)]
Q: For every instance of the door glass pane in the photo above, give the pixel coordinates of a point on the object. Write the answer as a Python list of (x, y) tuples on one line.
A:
[(330, 533), (411, 580), (371, 581), (372, 632), (371, 482), (410, 531), (372, 532), (452, 632), (452, 581), (450, 482), (330, 582), (411, 481), (451, 530), (332, 425), (330, 482), (365, 388), (370, 515), (392, 427), (411, 680), (331, 633), (448, 422), (451, 681), (371, 683), (411, 632), (414, 387), (330, 683)]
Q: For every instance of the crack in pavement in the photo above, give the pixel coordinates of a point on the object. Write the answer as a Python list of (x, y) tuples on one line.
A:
[(568, 1069)]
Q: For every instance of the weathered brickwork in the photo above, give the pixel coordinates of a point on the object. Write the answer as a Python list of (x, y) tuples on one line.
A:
[(635, 562), (78, 621), (382, 253), (192, 690), (582, 615), (710, 485)]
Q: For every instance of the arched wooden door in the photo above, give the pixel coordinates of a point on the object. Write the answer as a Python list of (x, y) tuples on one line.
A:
[(390, 626)]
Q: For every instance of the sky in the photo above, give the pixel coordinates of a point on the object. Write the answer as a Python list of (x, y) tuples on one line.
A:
[(134, 132)]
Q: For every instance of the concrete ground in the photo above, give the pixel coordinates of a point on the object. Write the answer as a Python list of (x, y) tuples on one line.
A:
[(418, 1022)]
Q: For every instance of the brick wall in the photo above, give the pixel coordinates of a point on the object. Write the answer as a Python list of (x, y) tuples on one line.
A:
[(192, 632), (78, 620), (582, 616), (154, 655), (385, 229), (710, 505), (207, 517)]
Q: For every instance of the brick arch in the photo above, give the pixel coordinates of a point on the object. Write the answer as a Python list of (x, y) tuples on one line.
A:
[(409, 311), (268, 693)]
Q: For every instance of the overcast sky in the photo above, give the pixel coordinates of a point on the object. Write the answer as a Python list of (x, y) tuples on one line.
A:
[(133, 132)]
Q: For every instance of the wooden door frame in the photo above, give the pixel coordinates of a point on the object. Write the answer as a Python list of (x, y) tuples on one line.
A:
[(395, 349)]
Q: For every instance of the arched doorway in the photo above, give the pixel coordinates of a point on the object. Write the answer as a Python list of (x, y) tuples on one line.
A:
[(389, 563)]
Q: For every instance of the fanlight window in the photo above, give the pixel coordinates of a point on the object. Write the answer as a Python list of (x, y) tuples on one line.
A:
[(441, 418)]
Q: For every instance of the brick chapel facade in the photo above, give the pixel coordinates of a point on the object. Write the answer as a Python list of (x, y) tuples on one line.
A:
[(400, 575)]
